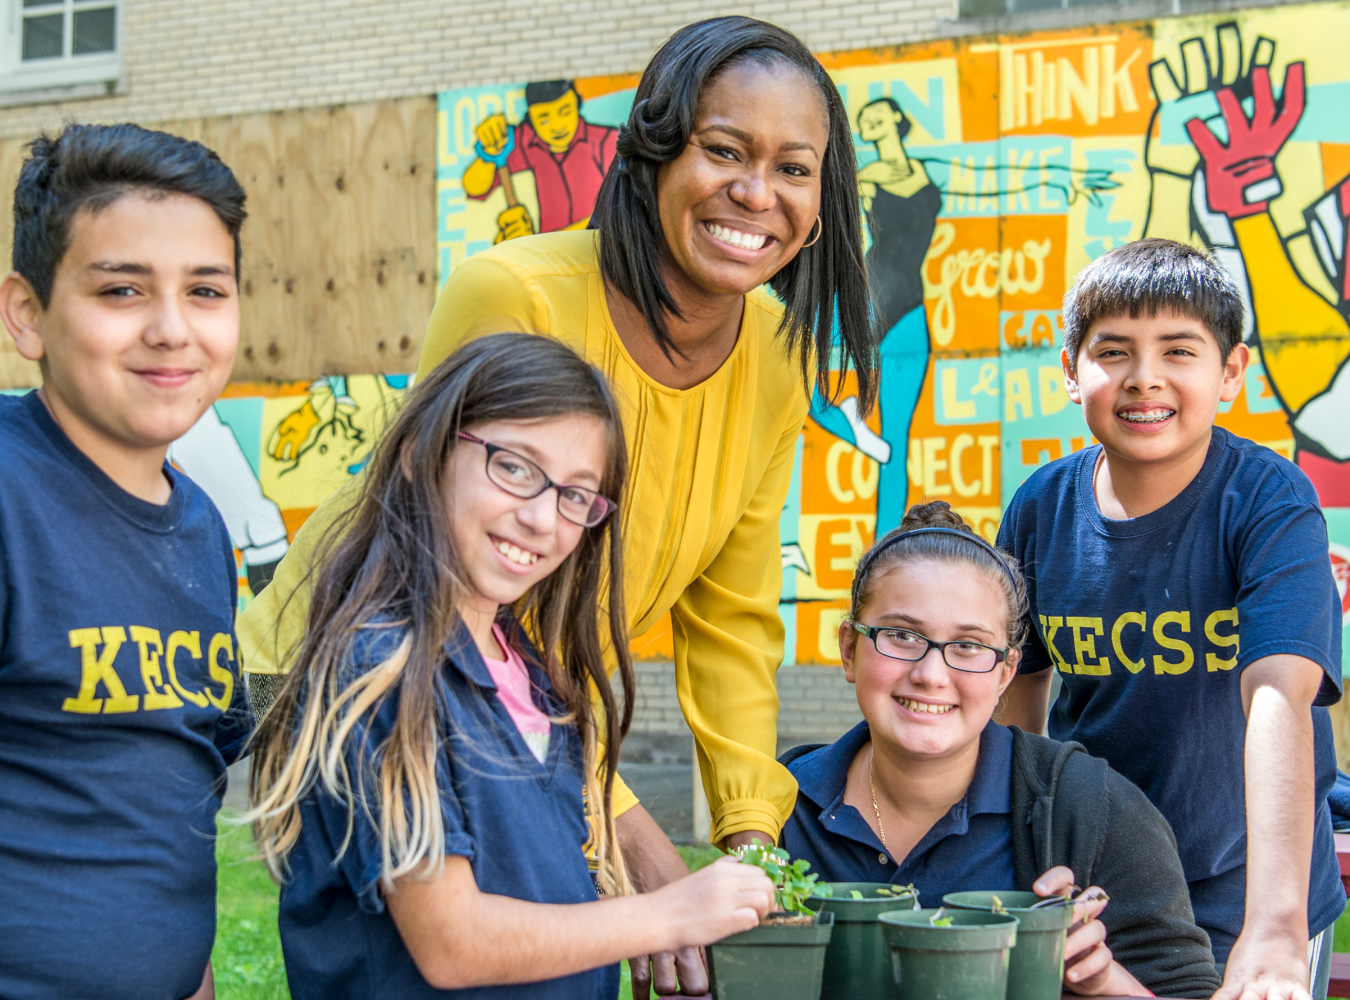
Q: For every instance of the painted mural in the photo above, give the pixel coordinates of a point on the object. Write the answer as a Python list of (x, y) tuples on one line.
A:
[(991, 171), (269, 453)]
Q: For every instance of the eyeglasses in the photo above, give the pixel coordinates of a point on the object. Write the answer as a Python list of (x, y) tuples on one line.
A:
[(902, 644), (520, 477)]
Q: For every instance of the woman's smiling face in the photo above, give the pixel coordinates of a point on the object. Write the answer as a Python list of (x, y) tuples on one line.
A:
[(743, 197), (924, 708)]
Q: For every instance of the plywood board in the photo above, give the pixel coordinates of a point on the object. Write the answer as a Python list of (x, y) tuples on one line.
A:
[(339, 250)]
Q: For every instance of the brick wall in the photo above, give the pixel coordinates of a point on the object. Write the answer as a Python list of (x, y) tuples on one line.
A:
[(815, 705), (238, 56)]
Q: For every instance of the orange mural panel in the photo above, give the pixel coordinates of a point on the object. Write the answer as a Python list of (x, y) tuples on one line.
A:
[(961, 284), (1031, 268), (1086, 82), (657, 643), (818, 631)]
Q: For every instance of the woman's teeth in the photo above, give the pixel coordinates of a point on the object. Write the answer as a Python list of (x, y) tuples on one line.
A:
[(747, 241), (517, 554), (922, 706), (1145, 416)]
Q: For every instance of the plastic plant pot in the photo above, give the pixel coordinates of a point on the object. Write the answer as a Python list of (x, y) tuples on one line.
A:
[(966, 960), (1036, 965), (771, 962), (857, 965)]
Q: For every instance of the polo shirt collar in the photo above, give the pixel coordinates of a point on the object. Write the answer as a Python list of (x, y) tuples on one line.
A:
[(464, 657), (823, 775)]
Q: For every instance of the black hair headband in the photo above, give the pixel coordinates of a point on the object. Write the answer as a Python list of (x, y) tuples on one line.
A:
[(865, 566)]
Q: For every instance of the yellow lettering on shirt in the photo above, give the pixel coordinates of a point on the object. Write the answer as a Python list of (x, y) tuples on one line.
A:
[(221, 675), (157, 694), (98, 669), (1086, 646), (1128, 618), (1160, 665), (1049, 626), (192, 642), (1213, 662)]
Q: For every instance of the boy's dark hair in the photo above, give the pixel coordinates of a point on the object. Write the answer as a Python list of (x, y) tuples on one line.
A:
[(824, 287), (88, 167), (1147, 277), (546, 91)]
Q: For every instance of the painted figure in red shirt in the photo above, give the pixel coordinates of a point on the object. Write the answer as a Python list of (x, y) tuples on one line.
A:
[(567, 155)]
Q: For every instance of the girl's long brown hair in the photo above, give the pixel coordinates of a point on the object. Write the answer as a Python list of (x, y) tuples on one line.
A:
[(389, 561)]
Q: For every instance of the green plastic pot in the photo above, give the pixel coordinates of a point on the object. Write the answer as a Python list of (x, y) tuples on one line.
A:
[(857, 966), (771, 963), (1036, 965), (965, 961)]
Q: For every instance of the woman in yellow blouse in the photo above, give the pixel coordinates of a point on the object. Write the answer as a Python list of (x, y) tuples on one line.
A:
[(736, 168)]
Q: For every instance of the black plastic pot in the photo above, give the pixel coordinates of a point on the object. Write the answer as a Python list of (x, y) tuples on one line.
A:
[(1036, 965), (771, 962), (967, 960), (857, 965)]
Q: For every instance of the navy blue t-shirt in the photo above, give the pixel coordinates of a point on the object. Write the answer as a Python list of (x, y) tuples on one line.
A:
[(120, 706), (968, 848), (1151, 621), (521, 824)]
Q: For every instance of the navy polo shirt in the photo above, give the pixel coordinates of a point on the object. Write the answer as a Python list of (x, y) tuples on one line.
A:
[(969, 848), (520, 823)]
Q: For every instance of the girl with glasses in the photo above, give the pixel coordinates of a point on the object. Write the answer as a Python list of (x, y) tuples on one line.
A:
[(420, 784), (928, 790)]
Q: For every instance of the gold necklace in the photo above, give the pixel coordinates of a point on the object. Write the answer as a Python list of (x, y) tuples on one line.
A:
[(871, 755)]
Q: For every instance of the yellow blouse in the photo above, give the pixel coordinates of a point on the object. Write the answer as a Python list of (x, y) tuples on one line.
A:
[(709, 472)]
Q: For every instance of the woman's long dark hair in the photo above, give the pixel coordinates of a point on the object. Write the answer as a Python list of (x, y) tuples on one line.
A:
[(824, 284), (390, 561)]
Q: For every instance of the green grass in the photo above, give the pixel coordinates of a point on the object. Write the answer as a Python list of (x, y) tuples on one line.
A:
[(247, 956)]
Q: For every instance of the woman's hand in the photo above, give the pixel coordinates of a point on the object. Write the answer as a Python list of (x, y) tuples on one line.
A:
[(1089, 967), (724, 898)]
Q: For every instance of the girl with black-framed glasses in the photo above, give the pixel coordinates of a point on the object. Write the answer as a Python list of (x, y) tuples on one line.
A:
[(929, 791), (429, 777)]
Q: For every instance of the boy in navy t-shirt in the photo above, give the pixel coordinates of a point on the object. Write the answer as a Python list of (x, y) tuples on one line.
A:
[(1179, 583), (120, 694)]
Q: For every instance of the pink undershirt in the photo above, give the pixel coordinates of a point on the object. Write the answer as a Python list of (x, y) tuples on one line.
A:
[(513, 688)]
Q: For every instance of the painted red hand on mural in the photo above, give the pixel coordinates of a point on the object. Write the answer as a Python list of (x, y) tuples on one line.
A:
[(1240, 177)]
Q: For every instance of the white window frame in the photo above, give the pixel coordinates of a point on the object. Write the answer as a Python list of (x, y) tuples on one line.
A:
[(63, 77)]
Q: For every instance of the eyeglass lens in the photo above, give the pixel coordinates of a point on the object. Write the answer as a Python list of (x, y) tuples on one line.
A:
[(904, 645), (521, 477)]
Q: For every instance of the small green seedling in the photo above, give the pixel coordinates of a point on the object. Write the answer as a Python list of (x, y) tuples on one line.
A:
[(1050, 902), (897, 890), (792, 886), (998, 906), (938, 920)]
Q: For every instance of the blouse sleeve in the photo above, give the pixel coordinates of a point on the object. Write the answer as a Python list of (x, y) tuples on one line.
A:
[(485, 294), (728, 647)]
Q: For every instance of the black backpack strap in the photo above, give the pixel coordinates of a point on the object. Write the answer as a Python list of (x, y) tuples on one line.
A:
[(788, 756)]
